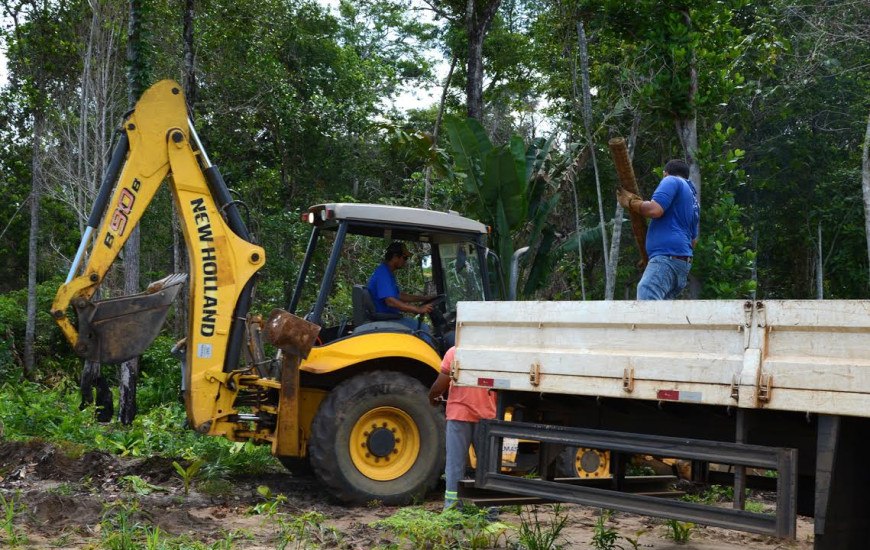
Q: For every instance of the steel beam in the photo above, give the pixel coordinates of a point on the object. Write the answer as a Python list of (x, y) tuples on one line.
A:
[(783, 460)]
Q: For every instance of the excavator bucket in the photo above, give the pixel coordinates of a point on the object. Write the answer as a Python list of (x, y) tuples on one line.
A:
[(117, 329)]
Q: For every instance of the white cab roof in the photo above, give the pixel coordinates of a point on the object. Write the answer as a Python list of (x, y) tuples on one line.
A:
[(401, 215)]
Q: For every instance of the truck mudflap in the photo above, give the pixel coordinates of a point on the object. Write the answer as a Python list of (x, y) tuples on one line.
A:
[(117, 329), (782, 460)]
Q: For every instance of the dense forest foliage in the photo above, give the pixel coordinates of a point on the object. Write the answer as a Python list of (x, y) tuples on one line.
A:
[(295, 100)]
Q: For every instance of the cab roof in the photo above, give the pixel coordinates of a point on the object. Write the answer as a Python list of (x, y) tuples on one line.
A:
[(374, 219)]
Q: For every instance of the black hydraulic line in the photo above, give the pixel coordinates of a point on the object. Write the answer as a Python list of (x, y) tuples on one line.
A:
[(226, 202), (239, 202), (119, 155), (326, 287), (303, 271), (237, 327)]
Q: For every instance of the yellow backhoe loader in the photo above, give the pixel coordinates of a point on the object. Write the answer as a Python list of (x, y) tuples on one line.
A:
[(346, 395)]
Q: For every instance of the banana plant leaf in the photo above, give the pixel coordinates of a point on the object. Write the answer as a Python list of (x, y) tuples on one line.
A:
[(508, 186)]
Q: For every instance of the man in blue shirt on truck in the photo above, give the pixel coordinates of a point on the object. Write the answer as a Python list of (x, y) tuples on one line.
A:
[(672, 234)]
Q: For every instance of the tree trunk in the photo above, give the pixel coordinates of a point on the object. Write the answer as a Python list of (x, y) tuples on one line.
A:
[(32, 245), (129, 369), (865, 185), (573, 180), (92, 376), (188, 59), (820, 269), (687, 130), (590, 139), (137, 82), (428, 181), (97, 102), (179, 247), (687, 127), (477, 25)]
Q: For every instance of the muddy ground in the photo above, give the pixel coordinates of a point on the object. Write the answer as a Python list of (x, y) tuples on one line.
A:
[(63, 504)]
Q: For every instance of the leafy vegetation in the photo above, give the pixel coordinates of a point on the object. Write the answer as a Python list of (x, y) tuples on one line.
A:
[(603, 537), (416, 527), (187, 473), (10, 508), (718, 493), (32, 410), (679, 531), (305, 530), (543, 533), (122, 529)]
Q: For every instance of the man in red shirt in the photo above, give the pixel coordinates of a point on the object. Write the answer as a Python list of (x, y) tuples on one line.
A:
[(465, 407)]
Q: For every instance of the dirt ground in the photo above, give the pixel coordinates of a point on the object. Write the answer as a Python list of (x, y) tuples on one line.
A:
[(63, 502)]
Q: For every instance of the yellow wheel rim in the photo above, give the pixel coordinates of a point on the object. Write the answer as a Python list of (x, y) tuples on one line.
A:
[(384, 443), (592, 463)]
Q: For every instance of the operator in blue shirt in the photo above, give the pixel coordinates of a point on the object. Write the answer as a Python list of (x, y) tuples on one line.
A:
[(385, 291), (672, 234)]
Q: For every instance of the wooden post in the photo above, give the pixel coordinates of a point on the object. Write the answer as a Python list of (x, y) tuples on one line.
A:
[(619, 152)]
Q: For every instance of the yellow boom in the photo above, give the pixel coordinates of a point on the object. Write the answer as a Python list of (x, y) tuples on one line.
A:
[(158, 143)]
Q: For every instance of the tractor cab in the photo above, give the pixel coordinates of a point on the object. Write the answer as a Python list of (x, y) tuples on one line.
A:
[(449, 261)]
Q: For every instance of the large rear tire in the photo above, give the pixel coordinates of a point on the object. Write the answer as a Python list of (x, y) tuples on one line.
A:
[(376, 438)]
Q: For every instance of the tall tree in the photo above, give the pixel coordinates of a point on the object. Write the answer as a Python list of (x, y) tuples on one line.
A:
[(35, 77), (479, 14), (590, 141), (476, 17), (803, 148), (39, 65), (179, 249), (139, 77)]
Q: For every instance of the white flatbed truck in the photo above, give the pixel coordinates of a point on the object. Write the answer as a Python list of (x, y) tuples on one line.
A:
[(774, 386)]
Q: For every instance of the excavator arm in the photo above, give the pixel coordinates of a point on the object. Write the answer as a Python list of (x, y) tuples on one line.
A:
[(158, 143)]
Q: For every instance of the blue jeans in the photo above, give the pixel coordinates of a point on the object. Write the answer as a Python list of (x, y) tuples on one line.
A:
[(422, 332), (663, 279)]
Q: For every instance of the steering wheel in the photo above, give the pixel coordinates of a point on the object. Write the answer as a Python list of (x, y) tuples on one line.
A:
[(435, 300), (438, 322)]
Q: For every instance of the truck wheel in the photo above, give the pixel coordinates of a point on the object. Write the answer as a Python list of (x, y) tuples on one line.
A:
[(582, 462), (376, 438)]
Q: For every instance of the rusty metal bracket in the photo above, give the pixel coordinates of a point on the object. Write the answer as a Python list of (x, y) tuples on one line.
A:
[(765, 387), (628, 380), (535, 374), (735, 387)]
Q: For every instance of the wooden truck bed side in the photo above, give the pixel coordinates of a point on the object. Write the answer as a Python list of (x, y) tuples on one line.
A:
[(791, 355)]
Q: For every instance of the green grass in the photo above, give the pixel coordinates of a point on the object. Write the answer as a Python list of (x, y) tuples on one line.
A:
[(10, 508), (603, 537), (415, 527), (536, 533), (33, 411), (679, 531)]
